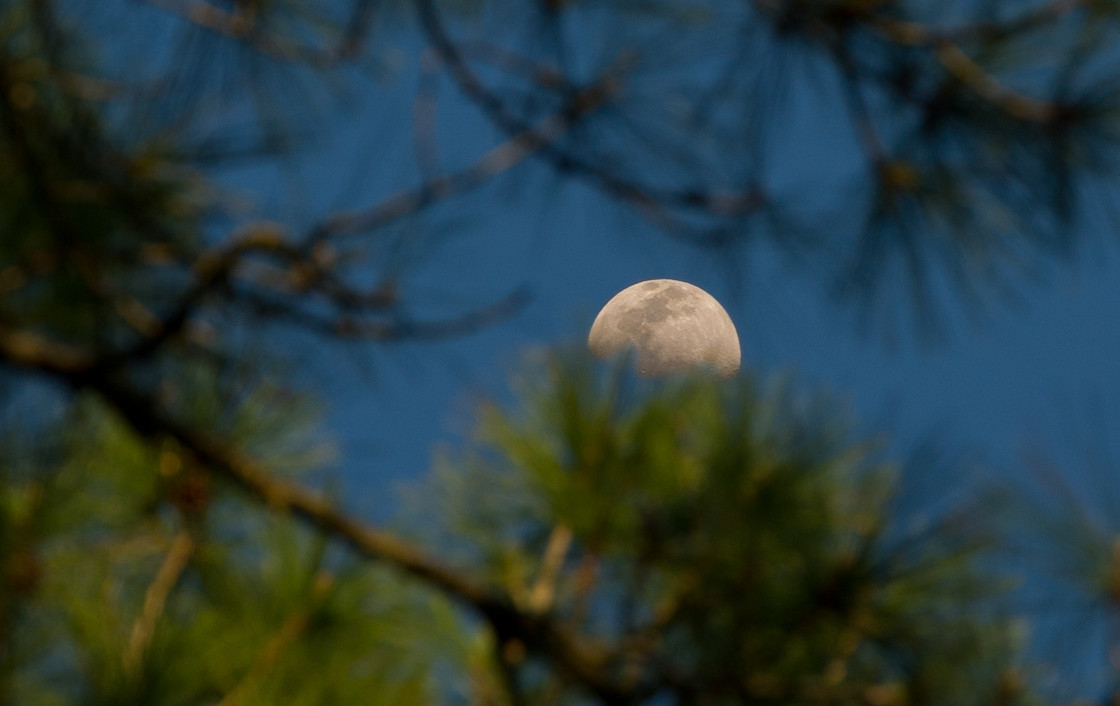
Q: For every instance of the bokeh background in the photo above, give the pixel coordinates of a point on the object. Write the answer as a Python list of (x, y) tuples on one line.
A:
[(910, 205)]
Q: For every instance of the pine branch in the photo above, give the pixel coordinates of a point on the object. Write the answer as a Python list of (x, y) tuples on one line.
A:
[(173, 566), (306, 270), (946, 48), (294, 625), (212, 271), (866, 130), (918, 34), (394, 328), (521, 143), (544, 590), (983, 84), (652, 201), (142, 411), (28, 350), (244, 26)]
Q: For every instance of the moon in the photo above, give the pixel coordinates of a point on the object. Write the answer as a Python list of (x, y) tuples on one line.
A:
[(672, 327)]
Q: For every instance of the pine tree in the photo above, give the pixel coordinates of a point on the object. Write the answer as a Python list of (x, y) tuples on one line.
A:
[(168, 531)]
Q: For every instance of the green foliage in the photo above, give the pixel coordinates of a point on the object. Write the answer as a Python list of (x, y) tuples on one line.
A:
[(602, 538), (131, 577), (731, 542), (717, 542)]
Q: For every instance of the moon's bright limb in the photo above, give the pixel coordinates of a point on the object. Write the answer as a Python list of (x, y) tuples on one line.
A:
[(673, 327)]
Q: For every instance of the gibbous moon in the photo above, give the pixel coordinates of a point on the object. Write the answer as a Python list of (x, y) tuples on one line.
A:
[(672, 327)]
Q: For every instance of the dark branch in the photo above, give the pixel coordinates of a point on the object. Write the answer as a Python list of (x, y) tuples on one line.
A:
[(651, 200), (521, 144), (244, 26), (393, 327), (144, 413)]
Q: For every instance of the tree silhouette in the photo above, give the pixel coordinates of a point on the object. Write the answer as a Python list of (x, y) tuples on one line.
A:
[(163, 537)]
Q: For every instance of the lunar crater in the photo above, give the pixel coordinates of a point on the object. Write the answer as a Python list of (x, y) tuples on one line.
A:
[(672, 326)]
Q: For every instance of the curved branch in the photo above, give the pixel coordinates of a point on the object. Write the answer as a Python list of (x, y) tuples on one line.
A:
[(242, 26), (945, 45), (520, 144), (538, 632), (293, 627), (983, 84), (217, 271), (212, 270), (389, 327), (866, 131), (583, 663), (174, 564), (920, 34), (29, 350), (647, 198)]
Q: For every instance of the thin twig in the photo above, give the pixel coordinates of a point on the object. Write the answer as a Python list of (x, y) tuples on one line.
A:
[(946, 47), (500, 159), (651, 201), (983, 84), (865, 128), (424, 111), (919, 34), (293, 627), (243, 27), (544, 590), (155, 599), (389, 327), (583, 663), (539, 633), (211, 270)]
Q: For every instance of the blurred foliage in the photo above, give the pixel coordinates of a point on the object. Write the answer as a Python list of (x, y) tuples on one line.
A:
[(731, 542), (968, 149), (721, 542), (133, 577), (166, 536)]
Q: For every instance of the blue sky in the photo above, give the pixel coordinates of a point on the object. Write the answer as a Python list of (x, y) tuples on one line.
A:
[(1030, 377), (991, 388)]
